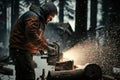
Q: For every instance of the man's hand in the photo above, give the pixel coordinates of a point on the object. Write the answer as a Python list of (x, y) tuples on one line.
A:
[(51, 50)]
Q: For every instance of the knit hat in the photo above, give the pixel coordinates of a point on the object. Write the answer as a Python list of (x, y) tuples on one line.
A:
[(49, 8)]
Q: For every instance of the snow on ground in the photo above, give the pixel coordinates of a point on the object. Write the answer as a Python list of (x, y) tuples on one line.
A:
[(41, 64)]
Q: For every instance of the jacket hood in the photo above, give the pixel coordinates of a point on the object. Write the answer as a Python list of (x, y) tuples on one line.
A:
[(37, 10)]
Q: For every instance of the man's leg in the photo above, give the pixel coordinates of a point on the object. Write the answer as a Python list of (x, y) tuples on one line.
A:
[(23, 65)]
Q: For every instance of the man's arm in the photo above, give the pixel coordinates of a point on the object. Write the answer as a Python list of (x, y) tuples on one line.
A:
[(34, 33)]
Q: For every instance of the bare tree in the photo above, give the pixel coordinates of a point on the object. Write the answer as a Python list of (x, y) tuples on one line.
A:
[(81, 19)]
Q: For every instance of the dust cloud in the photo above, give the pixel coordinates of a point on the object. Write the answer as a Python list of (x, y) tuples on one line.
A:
[(89, 52)]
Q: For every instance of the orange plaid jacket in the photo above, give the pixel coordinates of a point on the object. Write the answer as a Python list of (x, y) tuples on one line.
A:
[(27, 33)]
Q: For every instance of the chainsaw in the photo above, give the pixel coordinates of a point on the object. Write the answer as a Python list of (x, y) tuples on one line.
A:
[(52, 53)]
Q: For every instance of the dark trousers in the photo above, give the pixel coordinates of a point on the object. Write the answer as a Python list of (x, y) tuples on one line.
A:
[(23, 62)]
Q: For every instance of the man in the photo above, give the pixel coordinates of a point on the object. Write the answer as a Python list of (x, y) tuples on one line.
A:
[(27, 38)]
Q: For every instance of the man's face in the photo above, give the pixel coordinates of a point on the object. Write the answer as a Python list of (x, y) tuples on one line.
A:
[(50, 17)]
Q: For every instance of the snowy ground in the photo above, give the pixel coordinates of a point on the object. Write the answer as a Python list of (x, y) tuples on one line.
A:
[(41, 64)]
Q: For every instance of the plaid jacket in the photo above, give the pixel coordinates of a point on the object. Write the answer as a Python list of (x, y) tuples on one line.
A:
[(27, 33)]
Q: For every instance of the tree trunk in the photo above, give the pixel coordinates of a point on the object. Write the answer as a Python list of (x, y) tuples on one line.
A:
[(81, 19), (37, 2), (114, 28), (15, 11), (110, 22), (93, 17), (3, 22), (61, 10)]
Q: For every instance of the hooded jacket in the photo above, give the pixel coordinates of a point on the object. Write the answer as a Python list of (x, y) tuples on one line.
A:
[(27, 33)]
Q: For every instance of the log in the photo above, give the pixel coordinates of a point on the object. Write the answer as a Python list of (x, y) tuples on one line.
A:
[(64, 65), (6, 71), (90, 72)]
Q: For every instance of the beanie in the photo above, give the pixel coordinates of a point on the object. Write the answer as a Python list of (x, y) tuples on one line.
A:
[(49, 8)]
